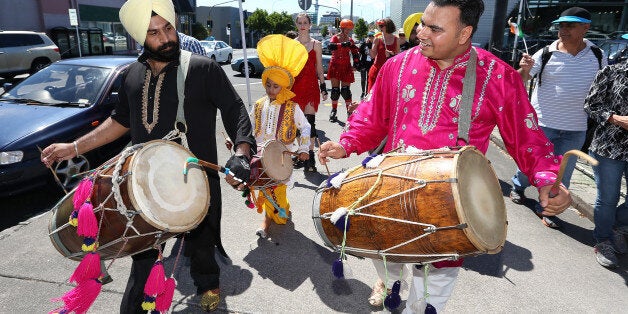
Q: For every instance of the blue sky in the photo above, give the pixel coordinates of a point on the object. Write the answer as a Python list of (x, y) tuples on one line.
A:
[(368, 9)]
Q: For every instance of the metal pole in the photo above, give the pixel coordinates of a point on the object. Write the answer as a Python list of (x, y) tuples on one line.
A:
[(246, 60), (514, 48), (351, 11)]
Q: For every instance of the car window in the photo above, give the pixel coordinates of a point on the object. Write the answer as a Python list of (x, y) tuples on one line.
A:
[(62, 84), (17, 40)]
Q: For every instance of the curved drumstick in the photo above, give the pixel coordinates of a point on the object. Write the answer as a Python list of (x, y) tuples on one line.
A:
[(210, 165), (563, 165)]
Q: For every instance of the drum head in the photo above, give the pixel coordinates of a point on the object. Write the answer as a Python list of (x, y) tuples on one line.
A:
[(276, 164), (479, 201), (165, 197)]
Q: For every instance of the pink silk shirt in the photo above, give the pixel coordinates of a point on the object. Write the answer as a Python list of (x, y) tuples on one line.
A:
[(415, 103)]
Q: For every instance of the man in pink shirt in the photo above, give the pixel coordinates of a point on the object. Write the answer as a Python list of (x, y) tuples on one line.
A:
[(416, 102)]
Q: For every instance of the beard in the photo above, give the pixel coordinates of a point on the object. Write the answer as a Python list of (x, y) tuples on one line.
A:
[(165, 53)]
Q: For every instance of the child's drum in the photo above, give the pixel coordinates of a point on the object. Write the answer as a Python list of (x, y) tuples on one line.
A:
[(160, 202), (427, 207), (271, 166)]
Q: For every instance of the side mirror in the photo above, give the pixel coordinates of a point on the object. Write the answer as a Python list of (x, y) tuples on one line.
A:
[(7, 86)]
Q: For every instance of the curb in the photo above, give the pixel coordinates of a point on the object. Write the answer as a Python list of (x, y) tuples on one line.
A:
[(584, 208)]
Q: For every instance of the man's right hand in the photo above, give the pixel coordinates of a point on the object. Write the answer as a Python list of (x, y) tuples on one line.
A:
[(332, 150), (526, 63), (57, 152)]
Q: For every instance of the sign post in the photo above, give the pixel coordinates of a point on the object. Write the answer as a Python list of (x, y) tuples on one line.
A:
[(74, 22), (305, 4)]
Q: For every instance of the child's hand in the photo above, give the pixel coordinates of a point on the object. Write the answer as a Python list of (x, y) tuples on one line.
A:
[(304, 156), (229, 144)]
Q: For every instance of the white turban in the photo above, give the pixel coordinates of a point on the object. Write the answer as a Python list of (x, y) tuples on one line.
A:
[(135, 16)]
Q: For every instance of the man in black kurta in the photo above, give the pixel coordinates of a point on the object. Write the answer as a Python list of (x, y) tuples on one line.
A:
[(148, 108)]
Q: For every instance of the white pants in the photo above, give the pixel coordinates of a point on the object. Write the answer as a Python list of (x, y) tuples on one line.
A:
[(440, 284)]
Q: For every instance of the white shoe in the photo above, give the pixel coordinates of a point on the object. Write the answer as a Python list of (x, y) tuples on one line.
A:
[(261, 233)]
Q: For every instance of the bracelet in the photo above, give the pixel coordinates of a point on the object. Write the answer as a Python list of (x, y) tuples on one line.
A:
[(75, 148)]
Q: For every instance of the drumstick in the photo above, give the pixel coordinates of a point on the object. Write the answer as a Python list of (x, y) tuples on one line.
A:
[(319, 147), (210, 165), (54, 174), (563, 165)]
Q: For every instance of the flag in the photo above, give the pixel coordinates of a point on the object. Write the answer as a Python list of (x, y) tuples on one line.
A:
[(515, 29)]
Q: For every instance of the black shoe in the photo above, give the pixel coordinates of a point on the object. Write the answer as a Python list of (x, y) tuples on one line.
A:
[(516, 196), (311, 163), (332, 116), (297, 163)]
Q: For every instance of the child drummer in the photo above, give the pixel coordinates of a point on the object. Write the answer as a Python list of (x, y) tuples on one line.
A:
[(276, 117)]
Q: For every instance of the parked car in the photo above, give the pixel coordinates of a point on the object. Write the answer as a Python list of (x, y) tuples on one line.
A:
[(615, 49), (25, 52), (60, 103), (256, 68), (325, 44), (218, 50)]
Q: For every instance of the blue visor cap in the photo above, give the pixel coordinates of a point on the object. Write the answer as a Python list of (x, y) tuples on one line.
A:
[(574, 15), (571, 19)]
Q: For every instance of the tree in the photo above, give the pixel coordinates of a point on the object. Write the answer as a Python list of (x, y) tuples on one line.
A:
[(324, 31), (280, 23), (258, 21), (199, 31), (361, 29)]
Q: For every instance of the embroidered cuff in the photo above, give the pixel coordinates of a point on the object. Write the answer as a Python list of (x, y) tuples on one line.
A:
[(544, 178)]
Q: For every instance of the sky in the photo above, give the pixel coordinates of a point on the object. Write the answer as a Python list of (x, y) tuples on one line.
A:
[(370, 10)]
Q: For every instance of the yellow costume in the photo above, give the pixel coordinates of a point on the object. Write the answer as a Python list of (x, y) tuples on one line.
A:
[(283, 59)]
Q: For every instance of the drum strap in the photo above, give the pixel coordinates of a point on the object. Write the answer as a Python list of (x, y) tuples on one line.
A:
[(182, 71), (468, 90)]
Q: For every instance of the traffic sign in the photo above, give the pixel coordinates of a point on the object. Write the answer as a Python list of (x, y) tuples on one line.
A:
[(73, 17), (305, 4)]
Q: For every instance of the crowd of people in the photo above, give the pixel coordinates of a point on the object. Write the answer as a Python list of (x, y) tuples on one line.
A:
[(570, 86)]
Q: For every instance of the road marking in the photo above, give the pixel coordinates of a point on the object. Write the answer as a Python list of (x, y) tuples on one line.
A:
[(234, 85)]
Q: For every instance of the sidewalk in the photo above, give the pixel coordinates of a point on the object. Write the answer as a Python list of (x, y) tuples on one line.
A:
[(583, 188)]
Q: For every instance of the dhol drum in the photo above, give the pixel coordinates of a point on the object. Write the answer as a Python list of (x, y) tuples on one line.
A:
[(416, 208), (271, 166), (159, 202)]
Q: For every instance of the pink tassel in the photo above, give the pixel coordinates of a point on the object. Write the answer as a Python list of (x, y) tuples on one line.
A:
[(87, 222), (83, 191), (156, 279), (88, 268), (164, 300), (81, 298)]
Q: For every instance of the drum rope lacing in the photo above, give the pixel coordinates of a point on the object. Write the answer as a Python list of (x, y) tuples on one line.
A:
[(354, 209)]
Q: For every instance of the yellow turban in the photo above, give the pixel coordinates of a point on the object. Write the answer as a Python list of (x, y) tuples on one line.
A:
[(135, 16), (413, 19), (283, 59)]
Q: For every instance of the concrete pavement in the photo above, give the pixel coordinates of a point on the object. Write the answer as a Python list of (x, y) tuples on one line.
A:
[(539, 270)]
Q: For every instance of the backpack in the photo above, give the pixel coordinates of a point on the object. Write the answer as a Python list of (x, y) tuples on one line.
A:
[(591, 124), (547, 54)]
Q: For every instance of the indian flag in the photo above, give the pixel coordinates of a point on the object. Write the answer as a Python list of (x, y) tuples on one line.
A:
[(515, 29)]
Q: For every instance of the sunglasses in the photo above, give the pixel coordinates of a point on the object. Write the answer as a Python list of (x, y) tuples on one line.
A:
[(380, 26)]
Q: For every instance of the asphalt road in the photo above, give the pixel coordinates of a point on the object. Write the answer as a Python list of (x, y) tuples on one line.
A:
[(539, 270)]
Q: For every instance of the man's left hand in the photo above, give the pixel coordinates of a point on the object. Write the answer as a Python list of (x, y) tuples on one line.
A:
[(554, 205)]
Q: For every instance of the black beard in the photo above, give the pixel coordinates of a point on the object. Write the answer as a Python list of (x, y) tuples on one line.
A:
[(161, 54)]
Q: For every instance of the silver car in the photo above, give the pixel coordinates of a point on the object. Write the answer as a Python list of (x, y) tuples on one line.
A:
[(218, 50), (25, 52)]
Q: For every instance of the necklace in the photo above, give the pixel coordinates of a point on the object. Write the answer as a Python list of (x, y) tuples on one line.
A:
[(155, 116)]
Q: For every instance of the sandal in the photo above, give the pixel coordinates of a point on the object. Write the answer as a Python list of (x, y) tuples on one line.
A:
[(377, 296), (210, 300)]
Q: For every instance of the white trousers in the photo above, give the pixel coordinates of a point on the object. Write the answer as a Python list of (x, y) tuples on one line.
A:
[(440, 284)]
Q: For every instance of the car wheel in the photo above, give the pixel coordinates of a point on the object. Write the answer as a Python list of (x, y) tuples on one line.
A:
[(251, 69), (67, 169), (38, 65), (229, 58)]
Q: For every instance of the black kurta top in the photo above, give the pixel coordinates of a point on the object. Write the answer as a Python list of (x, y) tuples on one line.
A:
[(207, 89)]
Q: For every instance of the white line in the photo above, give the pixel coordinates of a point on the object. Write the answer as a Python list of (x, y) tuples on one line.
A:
[(234, 85)]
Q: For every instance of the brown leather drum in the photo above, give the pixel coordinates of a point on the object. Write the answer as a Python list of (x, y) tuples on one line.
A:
[(427, 207), (271, 166), (160, 201)]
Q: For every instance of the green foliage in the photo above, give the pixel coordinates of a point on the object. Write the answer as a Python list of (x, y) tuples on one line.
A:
[(258, 21), (199, 31), (361, 29), (274, 23), (280, 23), (324, 31)]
